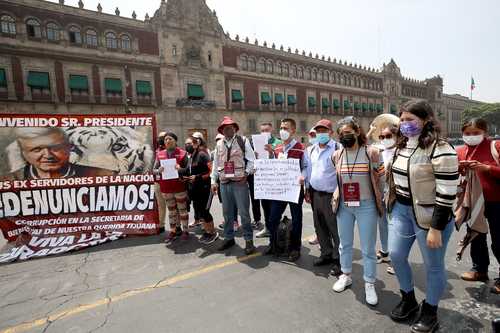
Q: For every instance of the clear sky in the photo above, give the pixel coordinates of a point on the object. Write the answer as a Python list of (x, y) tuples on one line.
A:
[(456, 39)]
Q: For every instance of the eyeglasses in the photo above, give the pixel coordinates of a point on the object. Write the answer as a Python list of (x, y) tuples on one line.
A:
[(382, 137)]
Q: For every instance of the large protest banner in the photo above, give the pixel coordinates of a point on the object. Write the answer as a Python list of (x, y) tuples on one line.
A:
[(277, 179), (69, 182)]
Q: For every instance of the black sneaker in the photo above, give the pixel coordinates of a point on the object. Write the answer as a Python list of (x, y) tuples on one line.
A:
[(336, 268), (382, 257), (178, 231), (226, 245), (209, 238), (256, 225)]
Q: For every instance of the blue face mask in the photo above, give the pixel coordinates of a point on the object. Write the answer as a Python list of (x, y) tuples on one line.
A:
[(323, 138)]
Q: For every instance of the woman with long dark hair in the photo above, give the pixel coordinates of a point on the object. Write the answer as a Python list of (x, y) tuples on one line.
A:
[(358, 199), (480, 154), (423, 180)]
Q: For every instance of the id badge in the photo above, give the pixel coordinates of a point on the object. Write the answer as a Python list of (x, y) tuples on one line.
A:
[(229, 169), (352, 194)]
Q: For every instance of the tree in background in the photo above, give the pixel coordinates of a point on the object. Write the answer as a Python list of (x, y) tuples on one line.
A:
[(489, 112)]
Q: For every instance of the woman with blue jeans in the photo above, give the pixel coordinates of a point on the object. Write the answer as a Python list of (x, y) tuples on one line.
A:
[(423, 181), (358, 198)]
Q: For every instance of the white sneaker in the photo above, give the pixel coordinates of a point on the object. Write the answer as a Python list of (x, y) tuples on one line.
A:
[(264, 233), (371, 294), (342, 283)]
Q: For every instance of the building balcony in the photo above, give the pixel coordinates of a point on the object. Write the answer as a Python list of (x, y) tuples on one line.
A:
[(195, 103)]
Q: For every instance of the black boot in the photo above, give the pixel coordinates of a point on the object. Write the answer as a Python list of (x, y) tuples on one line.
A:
[(427, 321), (406, 307), (249, 247), (226, 245), (269, 251)]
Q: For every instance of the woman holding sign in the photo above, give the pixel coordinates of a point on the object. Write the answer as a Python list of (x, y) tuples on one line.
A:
[(167, 164), (358, 198)]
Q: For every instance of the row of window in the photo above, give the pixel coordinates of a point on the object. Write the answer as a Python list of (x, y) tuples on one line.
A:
[(75, 35), (267, 66), (39, 84), (413, 92), (279, 100)]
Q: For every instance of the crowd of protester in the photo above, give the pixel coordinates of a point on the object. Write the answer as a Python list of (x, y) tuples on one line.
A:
[(405, 185)]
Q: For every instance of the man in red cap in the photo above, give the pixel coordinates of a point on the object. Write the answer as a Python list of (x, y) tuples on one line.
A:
[(233, 162), (321, 183)]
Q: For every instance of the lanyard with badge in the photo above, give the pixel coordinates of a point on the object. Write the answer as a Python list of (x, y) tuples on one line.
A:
[(228, 164), (351, 190)]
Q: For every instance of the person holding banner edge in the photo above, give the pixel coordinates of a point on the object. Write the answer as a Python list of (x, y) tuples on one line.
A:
[(290, 148)]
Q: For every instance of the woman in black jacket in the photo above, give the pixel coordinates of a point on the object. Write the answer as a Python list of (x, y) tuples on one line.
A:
[(198, 182)]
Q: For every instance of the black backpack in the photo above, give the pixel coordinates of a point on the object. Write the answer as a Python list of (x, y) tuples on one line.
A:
[(283, 237)]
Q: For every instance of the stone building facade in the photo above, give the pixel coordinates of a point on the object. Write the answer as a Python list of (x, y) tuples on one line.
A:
[(181, 65), (455, 105)]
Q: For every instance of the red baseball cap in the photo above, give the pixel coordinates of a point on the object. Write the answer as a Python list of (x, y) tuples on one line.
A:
[(324, 123)]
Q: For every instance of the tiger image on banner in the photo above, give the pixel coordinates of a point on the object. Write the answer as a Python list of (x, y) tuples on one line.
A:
[(68, 182)]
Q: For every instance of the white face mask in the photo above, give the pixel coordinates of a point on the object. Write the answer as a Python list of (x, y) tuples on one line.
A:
[(388, 143), (284, 135), (473, 140)]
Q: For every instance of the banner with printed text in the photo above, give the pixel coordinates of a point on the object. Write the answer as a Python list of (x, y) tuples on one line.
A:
[(70, 182)]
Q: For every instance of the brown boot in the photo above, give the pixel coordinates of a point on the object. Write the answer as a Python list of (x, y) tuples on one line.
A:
[(475, 276)]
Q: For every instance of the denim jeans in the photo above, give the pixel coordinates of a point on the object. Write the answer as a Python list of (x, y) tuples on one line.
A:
[(383, 230), (366, 216), (403, 231), (277, 210), (236, 199)]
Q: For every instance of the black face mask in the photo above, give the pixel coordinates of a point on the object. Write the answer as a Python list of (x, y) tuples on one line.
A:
[(189, 148), (348, 140)]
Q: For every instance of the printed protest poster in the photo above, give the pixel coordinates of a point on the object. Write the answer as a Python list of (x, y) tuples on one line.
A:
[(69, 182), (277, 179)]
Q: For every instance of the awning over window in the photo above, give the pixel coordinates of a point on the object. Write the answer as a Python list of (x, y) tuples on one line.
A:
[(195, 91), (371, 107), (278, 99), (143, 87), (3, 78), (78, 82), (364, 107), (291, 100), (394, 109), (347, 104), (113, 85), (325, 103), (357, 106), (311, 101), (336, 104), (236, 96), (380, 107), (265, 98), (38, 80)]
